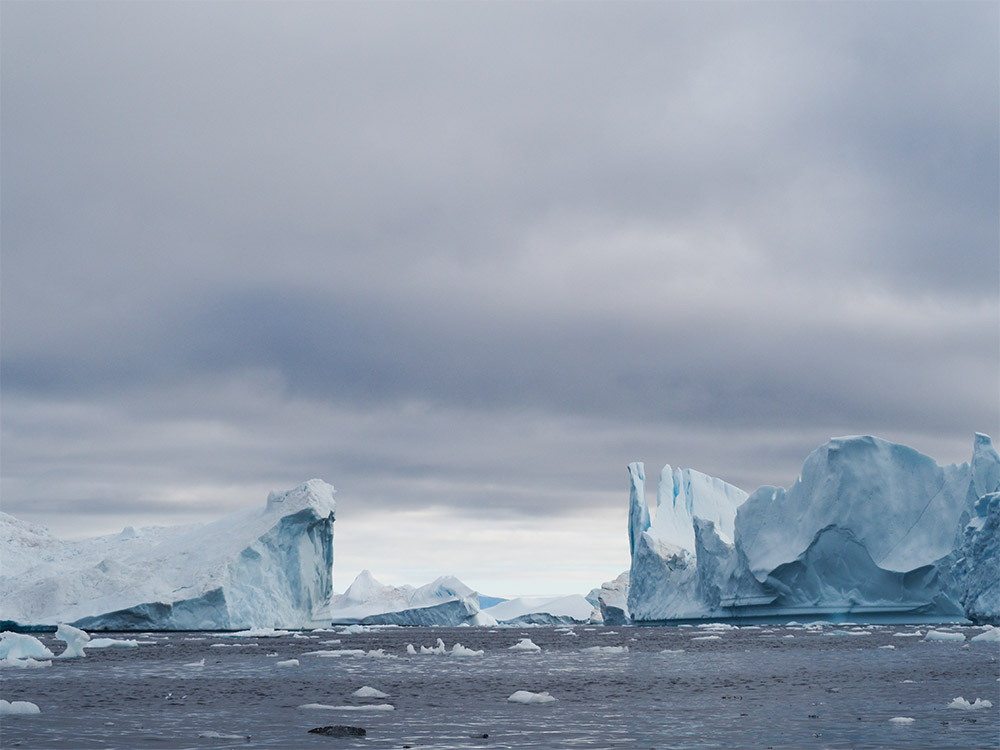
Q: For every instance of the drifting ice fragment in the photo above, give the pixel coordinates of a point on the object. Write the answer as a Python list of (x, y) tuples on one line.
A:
[(324, 707), (459, 650), (605, 650), (75, 640), (369, 692), (901, 720), (287, 663), (964, 705), (990, 636), (14, 646), (526, 696), (944, 637), (526, 644), (15, 708)]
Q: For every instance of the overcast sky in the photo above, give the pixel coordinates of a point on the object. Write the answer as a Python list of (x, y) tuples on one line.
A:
[(466, 261)]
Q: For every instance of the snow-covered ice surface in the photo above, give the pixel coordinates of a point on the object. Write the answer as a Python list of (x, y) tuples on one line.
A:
[(751, 688), (870, 528), (540, 610), (445, 601), (268, 566)]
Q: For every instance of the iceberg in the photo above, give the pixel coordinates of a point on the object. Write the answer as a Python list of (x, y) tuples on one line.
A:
[(542, 610), (870, 528), (612, 600), (446, 601), (256, 568)]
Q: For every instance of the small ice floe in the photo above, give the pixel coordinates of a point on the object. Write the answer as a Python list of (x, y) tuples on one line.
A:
[(28, 663), (716, 626), (672, 651), (372, 707), (526, 645), (16, 647), (572, 633), (353, 630), (908, 682), (331, 642), (199, 663), (605, 650), (888, 648), (788, 636), (18, 708), (847, 632), (329, 654), (526, 697), (369, 692), (210, 735), (439, 649), (943, 636), (707, 638), (609, 632), (304, 636), (75, 640), (991, 635), (459, 650), (964, 705), (258, 633), (901, 720), (287, 663), (233, 645), (111, 643)]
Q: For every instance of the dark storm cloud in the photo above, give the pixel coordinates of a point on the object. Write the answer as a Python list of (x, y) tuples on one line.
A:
[(482, 255)]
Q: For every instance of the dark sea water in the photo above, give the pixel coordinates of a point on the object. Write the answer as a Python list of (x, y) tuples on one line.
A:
[(749, 688)]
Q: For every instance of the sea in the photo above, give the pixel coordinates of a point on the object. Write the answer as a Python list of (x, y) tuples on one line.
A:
[(790, 686)]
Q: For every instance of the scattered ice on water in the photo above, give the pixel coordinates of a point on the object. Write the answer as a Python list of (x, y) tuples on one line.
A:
[(15, 708), (963, 704), (901, 720), (526, 696), (369, 692), (526, 644)]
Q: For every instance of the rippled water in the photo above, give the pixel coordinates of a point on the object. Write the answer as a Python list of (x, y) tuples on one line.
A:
[(749, 688)]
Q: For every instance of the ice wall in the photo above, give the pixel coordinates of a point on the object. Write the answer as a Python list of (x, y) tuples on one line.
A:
[(261, 567), (870, 528)]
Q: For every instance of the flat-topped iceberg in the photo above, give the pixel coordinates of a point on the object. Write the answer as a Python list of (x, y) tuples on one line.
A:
[(445, 601), (256, 568), (871, 528)]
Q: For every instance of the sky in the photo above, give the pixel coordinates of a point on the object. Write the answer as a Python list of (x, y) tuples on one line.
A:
[(466, 261)]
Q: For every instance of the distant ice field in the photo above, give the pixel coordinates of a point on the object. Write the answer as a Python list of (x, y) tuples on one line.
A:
[(767, 686)]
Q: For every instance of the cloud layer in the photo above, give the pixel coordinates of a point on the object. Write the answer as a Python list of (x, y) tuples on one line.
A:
[(467, 261)]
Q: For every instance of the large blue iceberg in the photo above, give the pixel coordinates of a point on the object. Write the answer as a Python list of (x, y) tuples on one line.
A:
[(870, 529)]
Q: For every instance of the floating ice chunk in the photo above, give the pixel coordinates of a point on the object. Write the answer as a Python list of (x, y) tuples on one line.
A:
[(943, 636), (847, 632), (325, 653), (331, 642), (379, 653), (707, 638), (369, 692), (410, 650), (75, 640), (258, 633), (199, 663), (963, 704), (16, 708), (28, 663), (324, 707), (888, 648), (526, 696), (459, 650), (20, 646), (353, 630), (901, 720), (287, 663), (990, 636), (716, 626), (439, 649), (111, 643), (604, 650), (672, 651), (527, 645), (915, 634)]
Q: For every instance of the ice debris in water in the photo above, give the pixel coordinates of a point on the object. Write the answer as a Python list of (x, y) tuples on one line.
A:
[(199, 663), (17, 646), (707, 638), (258, 633), (901, 720), (23, 708), (75, 640), (526, 644), (944, 636), (112, 643), (604, 650), (991, 635), (459, 650), (287, 663), (369, 692), (526, 696), (963, 704)]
